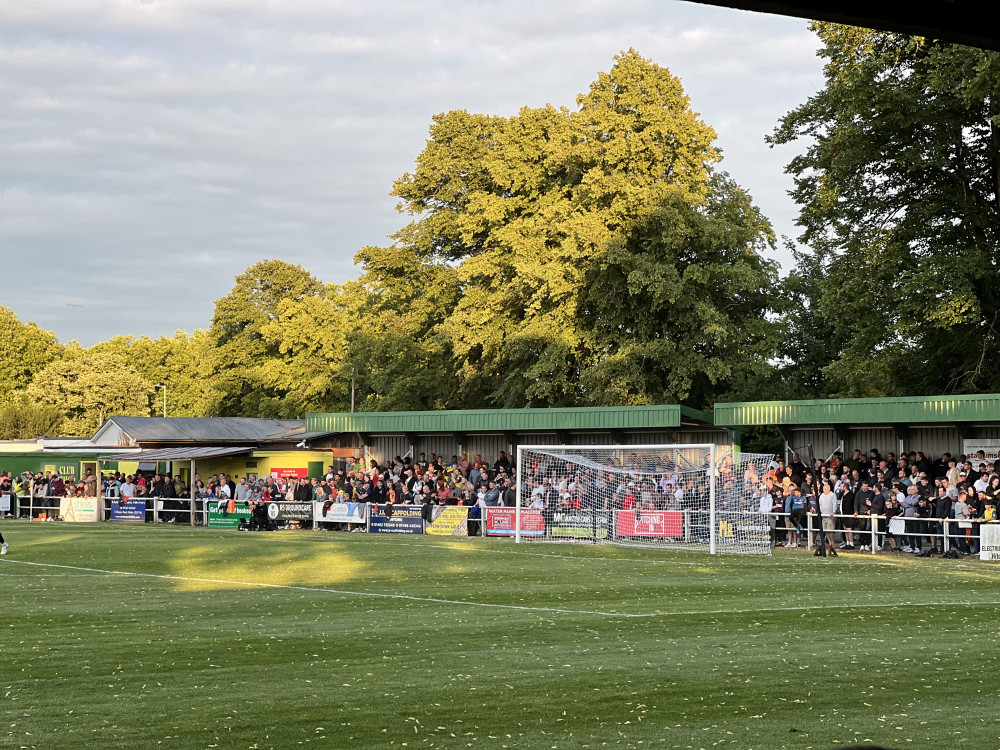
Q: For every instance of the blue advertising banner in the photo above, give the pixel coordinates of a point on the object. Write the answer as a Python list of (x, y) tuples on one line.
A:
[(131, 510), (402, 519)]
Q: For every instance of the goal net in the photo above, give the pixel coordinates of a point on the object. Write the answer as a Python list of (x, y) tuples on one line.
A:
[(696, 497)]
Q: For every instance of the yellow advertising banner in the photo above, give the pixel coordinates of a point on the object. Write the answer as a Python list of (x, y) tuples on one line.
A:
[(450, 520)]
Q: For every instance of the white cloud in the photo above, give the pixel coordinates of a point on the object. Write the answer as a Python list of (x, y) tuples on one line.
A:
[(168, 145)]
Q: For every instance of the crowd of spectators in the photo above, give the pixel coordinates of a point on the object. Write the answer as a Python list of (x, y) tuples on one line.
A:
[(427, 480), (908, 501), (870, 502), (649, 481)]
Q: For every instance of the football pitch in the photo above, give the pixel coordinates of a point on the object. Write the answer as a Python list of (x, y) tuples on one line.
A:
[(122, 636)]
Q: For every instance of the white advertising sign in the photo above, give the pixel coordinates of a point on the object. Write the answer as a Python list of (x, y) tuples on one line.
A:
[(339, 513), (989, 541), (989, 447), (78, 509)]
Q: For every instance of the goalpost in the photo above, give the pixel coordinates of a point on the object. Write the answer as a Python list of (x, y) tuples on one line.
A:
[(695, 497)]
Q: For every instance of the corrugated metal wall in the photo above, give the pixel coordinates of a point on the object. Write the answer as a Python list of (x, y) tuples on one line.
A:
[(442, 445), (500, 420), (648, 438), (823, 441), (488, 445), (710, 437), (881, 438), (590, 438), (384, 448), (934, 441), (540, 438)]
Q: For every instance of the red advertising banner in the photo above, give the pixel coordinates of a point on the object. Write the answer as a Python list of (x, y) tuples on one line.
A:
[(500, 522), (290, 473), (649, 523)]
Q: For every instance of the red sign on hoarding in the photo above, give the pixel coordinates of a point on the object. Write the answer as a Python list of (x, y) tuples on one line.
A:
[(649, 523), (500, 522)]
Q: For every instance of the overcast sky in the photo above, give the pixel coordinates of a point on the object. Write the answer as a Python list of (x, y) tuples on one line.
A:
[(151, 150)]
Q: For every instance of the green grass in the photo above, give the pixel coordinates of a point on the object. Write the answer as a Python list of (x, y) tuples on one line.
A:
[(783, 652)]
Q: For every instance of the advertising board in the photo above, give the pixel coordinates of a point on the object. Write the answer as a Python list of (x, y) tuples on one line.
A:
[(290, 473), (990, 449), (133, 510), (449, 520), (500, 522), (79, 509), (284, 510), (339, 512), (579, 524), (401, 519), (219, 515), (989, 541), (649, 523)]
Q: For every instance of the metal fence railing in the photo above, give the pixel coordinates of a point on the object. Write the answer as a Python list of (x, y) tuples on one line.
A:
[(183, 510), (866, 533), (873, 533)]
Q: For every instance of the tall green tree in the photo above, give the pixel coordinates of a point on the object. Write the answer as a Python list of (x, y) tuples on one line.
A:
[(243, 355), (308, 334), (21, 418), (24, 350), (898, 188), (522, 216), (674, 308), (182, 362), (89, 386), (396, 353)]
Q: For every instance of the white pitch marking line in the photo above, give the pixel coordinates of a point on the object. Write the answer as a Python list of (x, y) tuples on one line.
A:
[(679, 613), (341, 592)]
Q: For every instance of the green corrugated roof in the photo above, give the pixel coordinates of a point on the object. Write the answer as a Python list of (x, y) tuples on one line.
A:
[(511, 420), (900, 410)]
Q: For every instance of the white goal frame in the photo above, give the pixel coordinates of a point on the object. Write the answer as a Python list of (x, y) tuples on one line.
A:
[(711, 450)]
